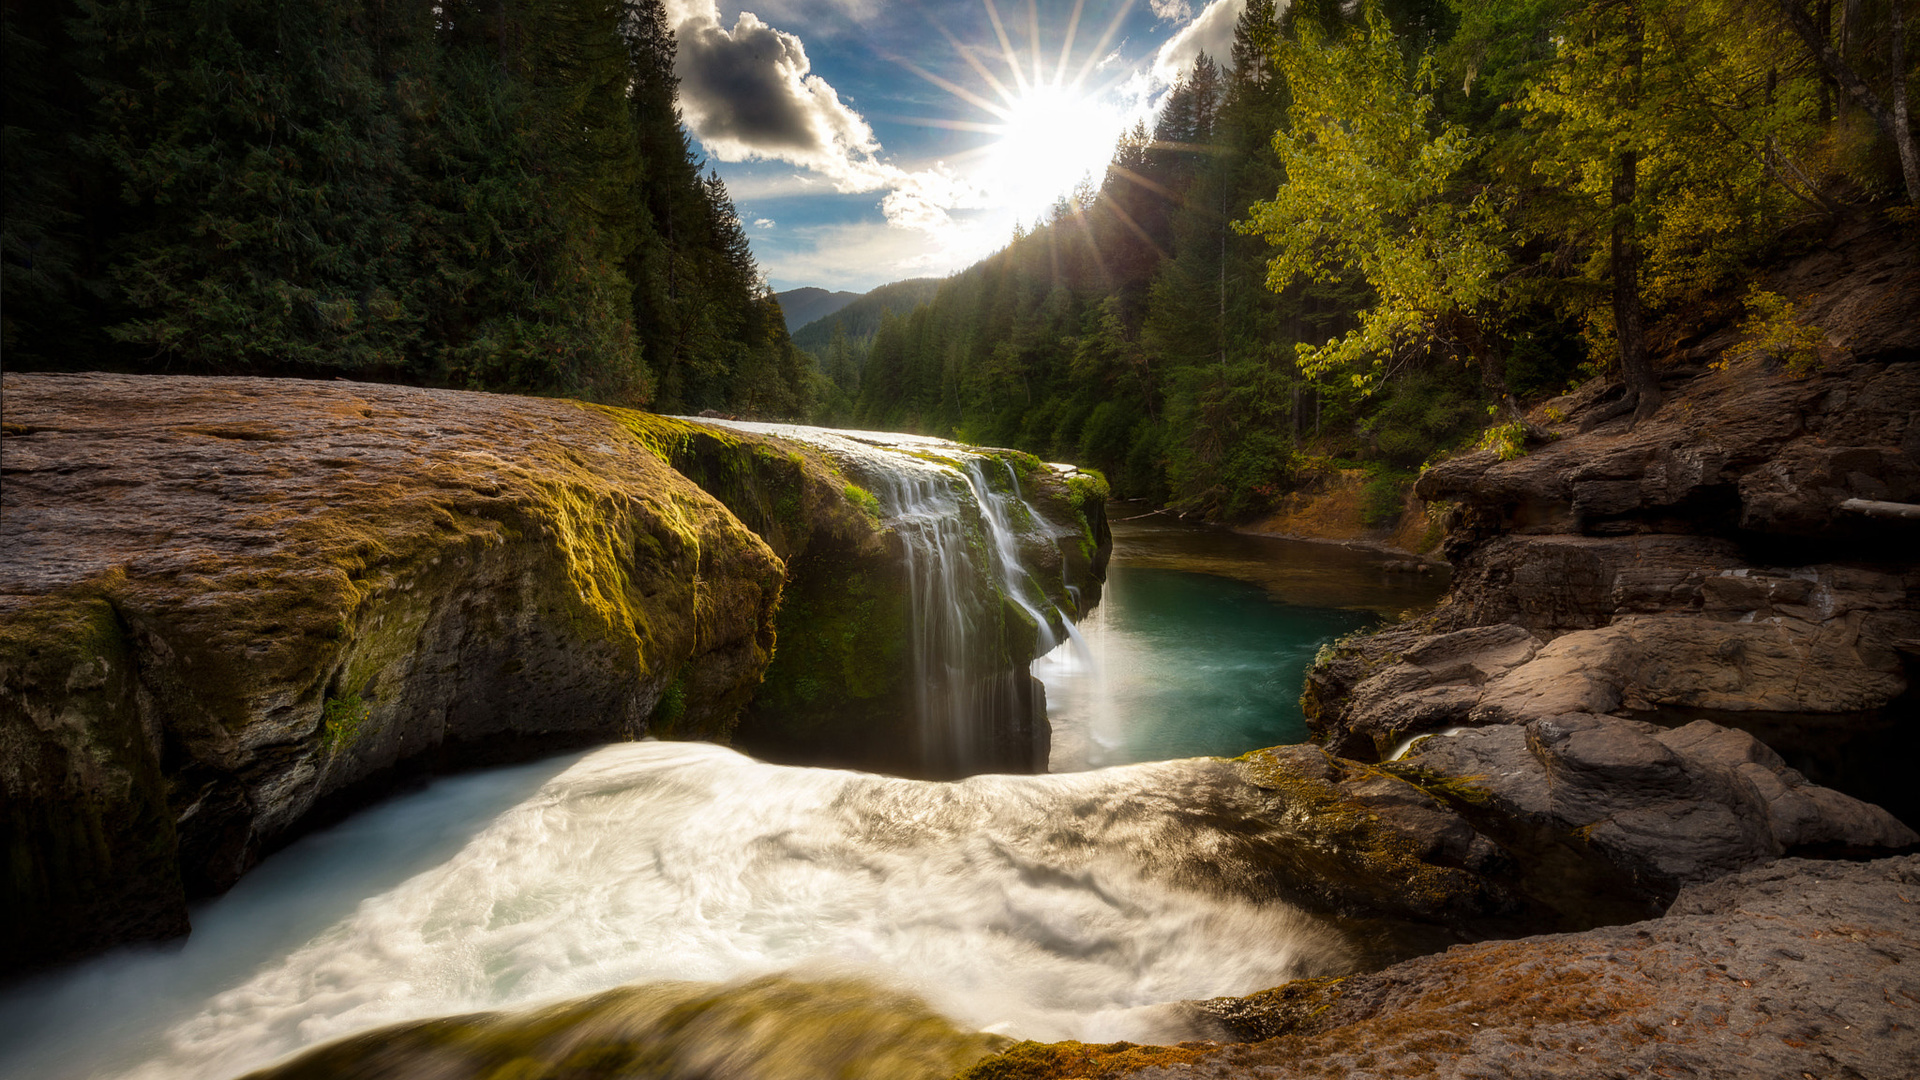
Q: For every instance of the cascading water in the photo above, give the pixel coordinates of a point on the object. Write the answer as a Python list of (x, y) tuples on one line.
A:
[(975, 704), (1034, 906)]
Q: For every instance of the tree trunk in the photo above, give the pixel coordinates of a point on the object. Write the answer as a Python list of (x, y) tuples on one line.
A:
[(1892, 118), (1629, 321)]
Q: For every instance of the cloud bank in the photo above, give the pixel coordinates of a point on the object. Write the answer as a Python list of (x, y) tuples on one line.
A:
[(748, 93), (1211, 33)]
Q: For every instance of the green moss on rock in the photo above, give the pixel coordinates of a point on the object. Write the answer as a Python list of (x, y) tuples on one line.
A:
[(773, 1028)]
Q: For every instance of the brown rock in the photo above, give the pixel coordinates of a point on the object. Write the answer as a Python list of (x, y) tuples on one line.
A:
[(291, 589), (1797, 968)]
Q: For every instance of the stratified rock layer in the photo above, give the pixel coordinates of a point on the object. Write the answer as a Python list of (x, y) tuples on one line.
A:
[(1734, 558), (229, 601), (1797, 968)]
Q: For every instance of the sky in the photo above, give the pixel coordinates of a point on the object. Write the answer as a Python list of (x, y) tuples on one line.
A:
[(869, 141)]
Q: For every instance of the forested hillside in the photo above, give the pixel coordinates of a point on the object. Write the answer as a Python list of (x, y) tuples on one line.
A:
[(492, 195), (1355, 241), (809, 304), (842, 340)]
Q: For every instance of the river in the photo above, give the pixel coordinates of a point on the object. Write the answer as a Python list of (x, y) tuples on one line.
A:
[(1202, 638), (1032, 907)]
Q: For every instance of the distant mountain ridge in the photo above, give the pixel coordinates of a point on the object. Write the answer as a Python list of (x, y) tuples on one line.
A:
[(861, 318), (802, 306)]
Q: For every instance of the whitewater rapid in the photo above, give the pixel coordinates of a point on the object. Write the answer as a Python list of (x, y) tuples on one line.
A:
[(1035, 906)]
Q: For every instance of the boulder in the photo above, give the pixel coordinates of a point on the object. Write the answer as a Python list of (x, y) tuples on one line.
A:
[(1667, 807), (233, 605)]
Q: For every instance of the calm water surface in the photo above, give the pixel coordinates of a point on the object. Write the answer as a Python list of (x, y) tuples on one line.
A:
[(1202, 639)]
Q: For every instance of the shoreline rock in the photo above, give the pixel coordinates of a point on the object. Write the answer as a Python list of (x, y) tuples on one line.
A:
[(1797, 967)]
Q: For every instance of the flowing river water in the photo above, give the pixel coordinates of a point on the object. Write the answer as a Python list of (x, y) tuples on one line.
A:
[(1028, 906)]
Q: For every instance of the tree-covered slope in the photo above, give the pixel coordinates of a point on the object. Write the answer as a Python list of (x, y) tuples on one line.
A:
[(805, 305), (493, 195)]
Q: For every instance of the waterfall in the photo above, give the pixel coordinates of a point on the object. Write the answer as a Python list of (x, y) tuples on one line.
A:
[(976, 705)]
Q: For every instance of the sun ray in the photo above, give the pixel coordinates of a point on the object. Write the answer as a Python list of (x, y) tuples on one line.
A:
[(1033, 40), (950, 125), (1100, 48), (955, 89), (973, 61), (1127, 220), (1136, 178), (1066, 47), (1006, 47)]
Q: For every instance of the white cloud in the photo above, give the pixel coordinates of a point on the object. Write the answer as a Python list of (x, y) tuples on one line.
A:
[(749, 94), (1172, 10), (764, 223), (1211, 33)]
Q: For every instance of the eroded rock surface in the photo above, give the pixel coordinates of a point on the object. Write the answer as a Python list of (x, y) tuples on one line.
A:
[(1797, 968)]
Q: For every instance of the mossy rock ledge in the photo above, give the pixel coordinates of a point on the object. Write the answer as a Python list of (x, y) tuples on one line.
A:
[(231, 609)]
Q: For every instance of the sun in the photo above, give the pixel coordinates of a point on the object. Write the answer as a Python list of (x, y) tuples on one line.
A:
[(1049, 140), (1050, 127)]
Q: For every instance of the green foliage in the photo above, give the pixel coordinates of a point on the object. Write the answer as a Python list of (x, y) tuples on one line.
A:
[(1508, 440), (1374, 186), (1774, 332), (341, 719), (671, 708), (1384, 496), (865, 500)]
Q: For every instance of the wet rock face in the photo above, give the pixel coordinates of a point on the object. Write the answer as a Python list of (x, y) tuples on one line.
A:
[(843, 690), (230, 604)]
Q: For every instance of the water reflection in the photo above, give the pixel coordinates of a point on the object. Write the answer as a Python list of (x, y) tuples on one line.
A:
[(1202, 638)]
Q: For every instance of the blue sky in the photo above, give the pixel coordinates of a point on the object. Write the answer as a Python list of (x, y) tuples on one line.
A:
[(866, 141)]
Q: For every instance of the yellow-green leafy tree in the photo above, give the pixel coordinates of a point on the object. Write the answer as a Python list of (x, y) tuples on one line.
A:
[(1376, 184)]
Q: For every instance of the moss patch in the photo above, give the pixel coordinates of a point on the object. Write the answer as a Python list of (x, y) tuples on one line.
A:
[(774, 1028), (1089, 1061)]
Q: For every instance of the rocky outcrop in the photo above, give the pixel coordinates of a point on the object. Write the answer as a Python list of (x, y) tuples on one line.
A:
[(230, 608), (232, 602), (1730, 559), (1666, 807), (1798, 968), (1566, 823)]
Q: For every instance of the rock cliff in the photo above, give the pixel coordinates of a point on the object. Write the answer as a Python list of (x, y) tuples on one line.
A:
[(231, 602), (1659, 643)]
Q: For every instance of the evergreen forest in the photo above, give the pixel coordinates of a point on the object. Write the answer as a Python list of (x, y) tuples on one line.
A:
[(485, 194), (1362, 238)]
